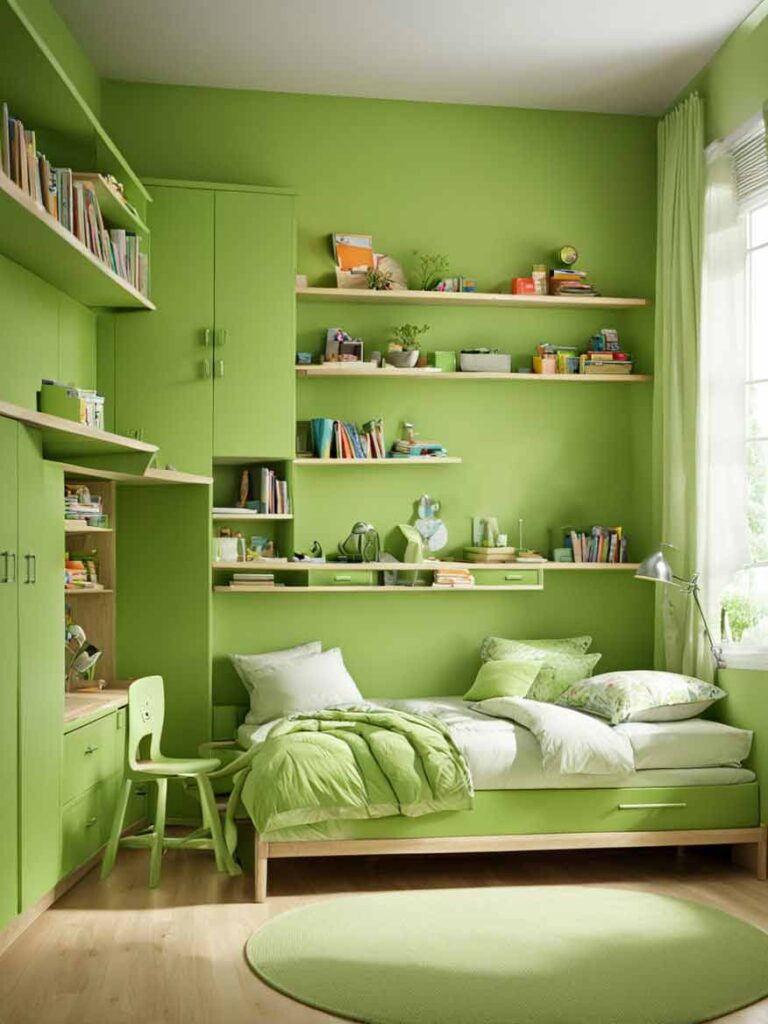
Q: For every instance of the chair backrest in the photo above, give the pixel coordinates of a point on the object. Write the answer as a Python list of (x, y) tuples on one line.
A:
[(146, 713)]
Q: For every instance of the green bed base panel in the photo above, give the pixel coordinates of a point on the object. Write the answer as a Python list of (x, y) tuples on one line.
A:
[(549, 811)]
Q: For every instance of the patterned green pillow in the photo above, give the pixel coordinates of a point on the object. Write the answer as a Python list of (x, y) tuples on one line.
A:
[(641, 696), (567, 665)]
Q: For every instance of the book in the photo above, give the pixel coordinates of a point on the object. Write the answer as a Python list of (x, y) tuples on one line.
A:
[(5, 141)]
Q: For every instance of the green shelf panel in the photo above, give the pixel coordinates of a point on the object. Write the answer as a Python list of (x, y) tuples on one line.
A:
[(31, 237), (38, 90)]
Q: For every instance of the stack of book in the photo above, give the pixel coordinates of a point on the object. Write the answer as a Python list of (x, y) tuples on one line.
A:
[(604, 355), (489, 555), (418, 449), (600, 544), (567, 281), (81, 573), (254, 581), (273, 494), (455, 578), (70, 198), (336, 439), (83, 508)]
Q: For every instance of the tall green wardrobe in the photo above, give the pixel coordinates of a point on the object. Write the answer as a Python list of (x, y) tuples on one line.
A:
[(210, 373), (31, 668)]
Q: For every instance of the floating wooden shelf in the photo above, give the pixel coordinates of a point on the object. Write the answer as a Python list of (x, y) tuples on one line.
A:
[(417, 460), (222, 517), (271, 565), (388, 372), (113, 209), (70, 526), (374, 590), (419, 298), (30, 236)]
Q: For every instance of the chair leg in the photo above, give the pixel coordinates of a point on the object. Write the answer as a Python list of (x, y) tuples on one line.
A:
[(118, 821), (224, 860), (156, 853)]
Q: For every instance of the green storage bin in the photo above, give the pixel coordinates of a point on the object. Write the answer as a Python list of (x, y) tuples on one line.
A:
[(342, 577), (522, 578)]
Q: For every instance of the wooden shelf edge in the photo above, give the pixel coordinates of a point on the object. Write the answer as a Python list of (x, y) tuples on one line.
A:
[(44, 421), (319, 372), (412, 297), (220, 517), (90, 593), (269, 565), (419, 460), (71, 527), (375, 590)]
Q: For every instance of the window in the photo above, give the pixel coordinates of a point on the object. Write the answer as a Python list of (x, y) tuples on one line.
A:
[(745, 604)]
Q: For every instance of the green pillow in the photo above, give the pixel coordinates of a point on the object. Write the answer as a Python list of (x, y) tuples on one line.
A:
[(569, 665), (504, 679)]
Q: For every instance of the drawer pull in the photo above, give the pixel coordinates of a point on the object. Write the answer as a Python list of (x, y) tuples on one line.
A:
[(91, 822), (648, 807), (513, 576), (342, 579), (91, 750)]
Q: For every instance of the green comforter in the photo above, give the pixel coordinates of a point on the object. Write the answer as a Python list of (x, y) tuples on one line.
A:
[(357, 763)]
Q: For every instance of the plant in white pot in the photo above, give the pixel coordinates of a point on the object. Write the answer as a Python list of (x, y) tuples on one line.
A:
[(404, 349)]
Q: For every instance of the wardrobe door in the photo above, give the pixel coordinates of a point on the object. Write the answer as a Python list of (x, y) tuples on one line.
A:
[(253, 392), (41, 665), (9, 837), (163, 388)]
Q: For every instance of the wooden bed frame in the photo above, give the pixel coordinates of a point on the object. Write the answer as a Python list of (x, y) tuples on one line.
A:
[(750, 846)]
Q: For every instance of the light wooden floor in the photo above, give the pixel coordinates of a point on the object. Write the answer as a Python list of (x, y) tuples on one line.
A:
[(120, 954)]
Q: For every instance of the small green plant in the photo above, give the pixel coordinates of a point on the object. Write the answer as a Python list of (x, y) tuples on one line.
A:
[(433, 267), (380, 280), (743, 613), (407, 336)]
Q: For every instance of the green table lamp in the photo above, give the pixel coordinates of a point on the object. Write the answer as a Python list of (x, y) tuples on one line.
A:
[(657, 569)]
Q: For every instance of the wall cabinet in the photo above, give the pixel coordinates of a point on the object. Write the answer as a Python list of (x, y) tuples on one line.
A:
[(211, 372), (32, 693)]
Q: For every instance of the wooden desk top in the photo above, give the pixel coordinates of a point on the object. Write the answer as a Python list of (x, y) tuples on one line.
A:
[(81, 707)]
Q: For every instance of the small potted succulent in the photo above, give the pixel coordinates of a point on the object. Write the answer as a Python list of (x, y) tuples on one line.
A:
[(404, 349)]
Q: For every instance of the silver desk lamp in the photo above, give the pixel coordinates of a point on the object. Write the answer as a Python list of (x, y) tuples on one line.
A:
[(657, 569)]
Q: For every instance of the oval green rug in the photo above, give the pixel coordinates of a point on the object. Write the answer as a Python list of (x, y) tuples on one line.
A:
[(527, 955)]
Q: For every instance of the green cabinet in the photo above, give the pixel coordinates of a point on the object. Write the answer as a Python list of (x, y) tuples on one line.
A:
[(41, 664), (253, 368), (211, 372), (9, 667), (163, 387)]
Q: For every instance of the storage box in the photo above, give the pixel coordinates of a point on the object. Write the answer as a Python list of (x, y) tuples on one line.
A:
[(485, 362), (445, 361), (544, 364), (523, 286)]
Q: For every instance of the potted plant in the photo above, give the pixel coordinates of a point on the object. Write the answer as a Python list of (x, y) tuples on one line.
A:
[(404, 349)]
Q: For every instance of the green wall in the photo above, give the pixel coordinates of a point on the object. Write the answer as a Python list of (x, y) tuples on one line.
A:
[(496, 190), (735, 82)]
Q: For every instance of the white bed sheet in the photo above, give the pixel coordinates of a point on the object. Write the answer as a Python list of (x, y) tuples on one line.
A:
[(503, 755)]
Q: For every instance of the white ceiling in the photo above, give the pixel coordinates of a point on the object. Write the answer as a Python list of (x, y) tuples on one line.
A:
[(619, 56)]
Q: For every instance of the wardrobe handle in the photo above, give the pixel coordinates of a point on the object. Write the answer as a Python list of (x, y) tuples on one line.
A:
[(220, 338), (205, 369), (28, 573), (5, 555), (207, 337), (34, 568), (218, 368), (648, 807), (13, 563)]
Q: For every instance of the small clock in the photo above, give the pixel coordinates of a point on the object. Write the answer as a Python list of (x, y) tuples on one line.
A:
[(568, 255)]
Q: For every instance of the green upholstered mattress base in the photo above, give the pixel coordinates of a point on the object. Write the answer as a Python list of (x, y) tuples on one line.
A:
[(539, 811)]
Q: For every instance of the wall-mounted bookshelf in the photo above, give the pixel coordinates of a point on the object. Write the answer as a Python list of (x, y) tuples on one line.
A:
[(417, 460), (257, 517), (74, 527), (274, 565), (419, 298), (388, 373), (374, 590)]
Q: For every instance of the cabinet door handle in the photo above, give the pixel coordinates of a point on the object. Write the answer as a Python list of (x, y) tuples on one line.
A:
[(91, 822), (218, 368), (205, 369), (34, 568), (28, 571), (91, 750), (207, 337), (649, 807), (342, 579), (5, 555), (13, 563), (220, 338), (513, 576)]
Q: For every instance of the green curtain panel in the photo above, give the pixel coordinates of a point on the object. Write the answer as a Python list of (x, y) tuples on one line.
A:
[(678, 289)]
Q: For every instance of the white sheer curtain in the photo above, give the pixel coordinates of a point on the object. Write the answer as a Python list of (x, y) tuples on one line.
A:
[(721, 479)]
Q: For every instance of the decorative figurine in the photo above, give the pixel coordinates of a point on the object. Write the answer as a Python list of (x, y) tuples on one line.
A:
[(433, 530)]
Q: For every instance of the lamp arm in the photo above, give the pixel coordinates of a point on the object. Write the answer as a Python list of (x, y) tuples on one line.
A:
[(717, 653)]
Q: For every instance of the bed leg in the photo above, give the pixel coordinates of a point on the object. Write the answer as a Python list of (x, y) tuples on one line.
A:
[(261, 857), (754, 856)]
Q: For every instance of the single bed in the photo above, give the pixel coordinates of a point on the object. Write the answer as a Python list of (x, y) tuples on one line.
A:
[(689, 788)]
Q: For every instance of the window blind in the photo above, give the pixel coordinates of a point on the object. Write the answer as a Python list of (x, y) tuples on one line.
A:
[(750, 161)]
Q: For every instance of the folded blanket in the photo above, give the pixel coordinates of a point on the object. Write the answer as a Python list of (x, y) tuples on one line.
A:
[(354, 763), (571, 742)]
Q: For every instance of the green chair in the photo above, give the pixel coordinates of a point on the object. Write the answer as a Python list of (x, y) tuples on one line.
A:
[(146, 713)]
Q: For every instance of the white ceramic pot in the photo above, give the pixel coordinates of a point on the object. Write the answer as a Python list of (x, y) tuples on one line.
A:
[(403, 360)]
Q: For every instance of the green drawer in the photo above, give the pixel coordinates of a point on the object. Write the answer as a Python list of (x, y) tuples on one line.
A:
[(342, 577), (85, 825), (91, 754), (508, 577)]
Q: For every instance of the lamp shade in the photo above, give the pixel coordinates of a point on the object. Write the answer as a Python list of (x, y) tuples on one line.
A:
[(655, 568)]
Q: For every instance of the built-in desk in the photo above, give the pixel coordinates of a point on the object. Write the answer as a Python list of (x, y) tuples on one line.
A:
[(81, 707)]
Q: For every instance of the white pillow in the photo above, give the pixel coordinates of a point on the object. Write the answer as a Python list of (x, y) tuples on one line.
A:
[(641, 696), (308, 683), (250, 666)]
